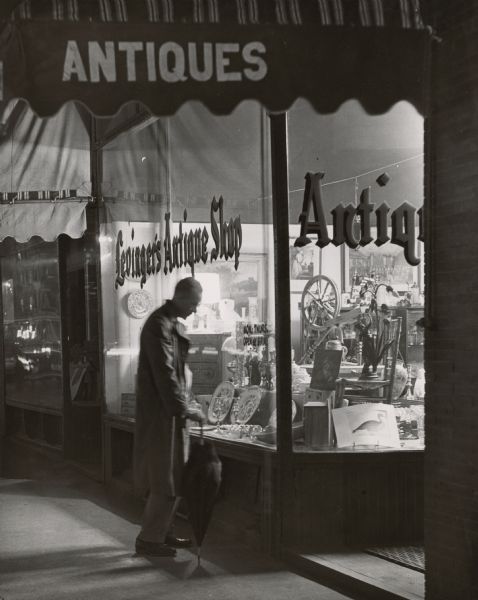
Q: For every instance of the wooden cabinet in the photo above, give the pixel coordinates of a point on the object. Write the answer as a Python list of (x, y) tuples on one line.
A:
[(206, 361), (411, 344), (40, 425), (355, 499)]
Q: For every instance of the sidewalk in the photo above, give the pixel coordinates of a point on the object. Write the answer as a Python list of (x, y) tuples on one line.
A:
[(64, 537)]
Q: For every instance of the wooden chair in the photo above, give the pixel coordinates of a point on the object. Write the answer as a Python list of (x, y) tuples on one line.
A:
[(358, 391)]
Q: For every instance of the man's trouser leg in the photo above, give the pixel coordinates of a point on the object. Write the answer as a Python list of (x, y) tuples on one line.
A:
[(163, 471), (156, 517), (157, 512)]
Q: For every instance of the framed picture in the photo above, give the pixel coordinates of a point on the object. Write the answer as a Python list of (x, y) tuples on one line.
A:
[(366, 425), (246, 286), (303, 262), (326, 369), (386, 263)]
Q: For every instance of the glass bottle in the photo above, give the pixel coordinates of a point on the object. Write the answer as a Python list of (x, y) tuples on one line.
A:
[(419, 389)]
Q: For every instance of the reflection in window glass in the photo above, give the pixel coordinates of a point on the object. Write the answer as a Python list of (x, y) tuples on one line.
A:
[(357, 373), (31, 321)]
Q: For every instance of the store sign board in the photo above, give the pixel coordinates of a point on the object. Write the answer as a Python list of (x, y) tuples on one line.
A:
[(403, 221), (169, 61), (163, 65), (185, 249)]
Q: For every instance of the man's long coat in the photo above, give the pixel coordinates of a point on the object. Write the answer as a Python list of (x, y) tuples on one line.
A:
[(160, 435)]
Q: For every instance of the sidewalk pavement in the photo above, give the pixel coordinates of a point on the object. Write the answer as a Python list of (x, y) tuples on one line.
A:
[(65, 537)]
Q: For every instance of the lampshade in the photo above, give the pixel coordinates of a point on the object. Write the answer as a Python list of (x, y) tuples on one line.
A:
[(211, 289)]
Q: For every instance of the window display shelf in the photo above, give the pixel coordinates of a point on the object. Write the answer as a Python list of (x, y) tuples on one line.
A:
[(49, 410), (374, 486), (247, 451), (243, 450), (405, 446)]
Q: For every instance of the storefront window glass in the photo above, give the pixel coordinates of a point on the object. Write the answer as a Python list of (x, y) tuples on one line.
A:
[(31, 324), (192, 193), (357, 380)]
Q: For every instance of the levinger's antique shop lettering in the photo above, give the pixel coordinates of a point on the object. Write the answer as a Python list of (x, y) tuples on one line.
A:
[(185, 249), (170, 62)]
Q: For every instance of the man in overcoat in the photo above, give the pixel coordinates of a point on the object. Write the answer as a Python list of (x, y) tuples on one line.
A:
[(161, 439)]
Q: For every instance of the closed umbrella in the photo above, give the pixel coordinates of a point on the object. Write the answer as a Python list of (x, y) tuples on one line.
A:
[(200, 485)]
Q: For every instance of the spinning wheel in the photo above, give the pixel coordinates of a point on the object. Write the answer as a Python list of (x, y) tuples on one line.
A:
[(320, 308), (320, 302)]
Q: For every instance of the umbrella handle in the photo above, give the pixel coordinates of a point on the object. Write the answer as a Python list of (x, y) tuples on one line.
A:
[(201, 438)]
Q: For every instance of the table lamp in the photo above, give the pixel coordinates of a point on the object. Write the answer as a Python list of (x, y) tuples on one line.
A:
[(211, 288), (211, 296)]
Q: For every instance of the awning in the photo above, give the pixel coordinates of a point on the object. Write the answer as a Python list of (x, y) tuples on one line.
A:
[(390, 13), (47, 220), (105, 53)]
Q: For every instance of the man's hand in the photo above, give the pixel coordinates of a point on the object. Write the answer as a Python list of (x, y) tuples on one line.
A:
[(195, 414)]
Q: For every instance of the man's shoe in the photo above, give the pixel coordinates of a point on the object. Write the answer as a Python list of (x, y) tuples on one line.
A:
[(153, 549), (176, 542)]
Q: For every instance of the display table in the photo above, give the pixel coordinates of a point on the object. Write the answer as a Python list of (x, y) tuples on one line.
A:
[(245, 507), (244, 449)]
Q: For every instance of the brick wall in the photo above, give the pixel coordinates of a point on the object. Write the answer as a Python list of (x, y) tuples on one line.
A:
[(451, 356)]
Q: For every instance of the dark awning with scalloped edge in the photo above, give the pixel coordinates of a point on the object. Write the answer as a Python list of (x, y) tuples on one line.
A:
[(105, 53), (24, 220)]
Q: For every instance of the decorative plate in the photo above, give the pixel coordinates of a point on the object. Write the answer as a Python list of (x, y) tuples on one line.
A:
[(247, 403), (204, 428), (140, 302), (221, 402)]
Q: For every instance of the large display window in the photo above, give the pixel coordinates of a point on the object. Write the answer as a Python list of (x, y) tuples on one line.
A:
[(201, 177), (185, 195), (356, 308)]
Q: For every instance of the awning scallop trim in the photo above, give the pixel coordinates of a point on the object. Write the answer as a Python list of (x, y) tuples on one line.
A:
[(48, 220)]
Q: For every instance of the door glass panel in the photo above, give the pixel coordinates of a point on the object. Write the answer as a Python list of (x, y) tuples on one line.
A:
[(31, 323)]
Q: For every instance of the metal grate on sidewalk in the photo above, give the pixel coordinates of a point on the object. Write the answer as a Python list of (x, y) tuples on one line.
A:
[(412, 557)]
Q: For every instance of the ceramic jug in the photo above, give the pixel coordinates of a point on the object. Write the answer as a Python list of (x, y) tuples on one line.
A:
[(337, 345)]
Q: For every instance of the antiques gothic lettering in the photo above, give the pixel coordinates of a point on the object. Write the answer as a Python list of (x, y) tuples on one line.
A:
[(185, 249), (402, 222)]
